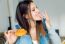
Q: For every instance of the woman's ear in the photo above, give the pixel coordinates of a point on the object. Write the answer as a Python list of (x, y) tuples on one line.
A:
[(26, 16)]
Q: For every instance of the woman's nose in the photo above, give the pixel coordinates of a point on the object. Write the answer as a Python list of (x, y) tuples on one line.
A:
[(38, 11)]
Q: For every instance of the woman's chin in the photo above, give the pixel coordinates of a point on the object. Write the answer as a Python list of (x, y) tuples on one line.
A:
[(38, 19)]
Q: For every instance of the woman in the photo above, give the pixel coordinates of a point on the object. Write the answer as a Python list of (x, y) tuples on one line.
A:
[(27, 16)]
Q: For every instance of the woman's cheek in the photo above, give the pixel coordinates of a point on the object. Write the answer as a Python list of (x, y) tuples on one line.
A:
[(33, 15)]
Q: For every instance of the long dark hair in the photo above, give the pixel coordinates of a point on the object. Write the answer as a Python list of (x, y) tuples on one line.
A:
[(21, 11)]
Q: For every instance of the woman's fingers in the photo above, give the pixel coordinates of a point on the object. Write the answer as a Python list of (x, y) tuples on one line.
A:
[(10, 36), (5, 33), (48, 22), (9, 33)]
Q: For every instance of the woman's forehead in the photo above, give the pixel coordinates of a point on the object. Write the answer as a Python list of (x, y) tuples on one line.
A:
[(32, 5)]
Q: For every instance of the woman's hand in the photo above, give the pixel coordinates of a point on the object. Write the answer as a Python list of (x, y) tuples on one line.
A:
[(10, 36), (48, 23)]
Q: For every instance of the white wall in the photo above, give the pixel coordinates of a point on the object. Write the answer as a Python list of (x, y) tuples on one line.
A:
[(62, 24), (3, 15), (7, 8), (12, 8)]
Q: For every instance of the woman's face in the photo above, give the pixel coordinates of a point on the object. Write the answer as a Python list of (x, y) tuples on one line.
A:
[(35, 13)]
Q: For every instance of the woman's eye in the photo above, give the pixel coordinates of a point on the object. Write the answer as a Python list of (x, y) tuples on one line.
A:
[(33, 10)]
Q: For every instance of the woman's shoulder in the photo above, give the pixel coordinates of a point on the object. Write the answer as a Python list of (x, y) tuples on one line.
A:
[(26, 36), (24, 39)]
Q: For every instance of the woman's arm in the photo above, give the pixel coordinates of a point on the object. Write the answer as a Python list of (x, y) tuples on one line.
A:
[(48, 21), (54, 37)]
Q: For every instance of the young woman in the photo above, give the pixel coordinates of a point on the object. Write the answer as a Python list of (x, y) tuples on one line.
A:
[(27, 14), (30, 19)]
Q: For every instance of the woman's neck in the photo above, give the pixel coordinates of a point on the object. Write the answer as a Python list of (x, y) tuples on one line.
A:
[(32, 24), (33, 30)]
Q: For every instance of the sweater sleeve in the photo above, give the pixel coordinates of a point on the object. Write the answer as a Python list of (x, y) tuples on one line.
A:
[(54, 37)]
